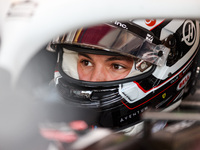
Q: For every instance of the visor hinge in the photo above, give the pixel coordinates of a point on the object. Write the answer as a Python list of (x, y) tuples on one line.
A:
[(142, 65)]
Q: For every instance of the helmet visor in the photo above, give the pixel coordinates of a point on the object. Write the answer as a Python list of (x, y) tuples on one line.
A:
[(111, 38)]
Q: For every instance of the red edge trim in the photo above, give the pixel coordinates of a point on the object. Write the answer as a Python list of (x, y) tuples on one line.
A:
[(173, 99)]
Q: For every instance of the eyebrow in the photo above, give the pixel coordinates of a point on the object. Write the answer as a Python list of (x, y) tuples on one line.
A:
[(85, 55)]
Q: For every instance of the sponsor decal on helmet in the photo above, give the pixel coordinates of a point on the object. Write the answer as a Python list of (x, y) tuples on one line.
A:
[(132, 115), (122, 25), (189, 32), (184, 81), (149, 37), (150, 22), (164, 95)]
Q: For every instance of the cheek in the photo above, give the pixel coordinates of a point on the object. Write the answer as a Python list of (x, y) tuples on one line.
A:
[(118, 76), (124, 75)]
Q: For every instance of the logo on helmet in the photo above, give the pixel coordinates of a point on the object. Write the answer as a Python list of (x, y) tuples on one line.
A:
[(189, 32), (122, 25), (149, 37), (150, 22), (184, 81)]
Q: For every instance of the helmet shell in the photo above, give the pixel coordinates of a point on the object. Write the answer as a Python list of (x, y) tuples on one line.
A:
[(120, 103)]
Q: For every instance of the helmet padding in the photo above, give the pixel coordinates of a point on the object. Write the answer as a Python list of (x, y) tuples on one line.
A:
[(69, 63)]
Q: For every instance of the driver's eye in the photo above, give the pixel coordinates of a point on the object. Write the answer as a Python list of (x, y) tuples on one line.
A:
[(86, 63), (117, 66)]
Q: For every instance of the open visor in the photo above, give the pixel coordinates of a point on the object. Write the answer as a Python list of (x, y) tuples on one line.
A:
[(114, 39)]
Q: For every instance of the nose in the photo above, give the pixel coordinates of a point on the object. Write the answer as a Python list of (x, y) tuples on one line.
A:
[(99, 74)]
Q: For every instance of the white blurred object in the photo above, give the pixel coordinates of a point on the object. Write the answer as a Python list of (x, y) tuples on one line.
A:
[(27, 25)]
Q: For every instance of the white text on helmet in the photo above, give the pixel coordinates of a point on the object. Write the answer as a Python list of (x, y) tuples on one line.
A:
[(120, 24)]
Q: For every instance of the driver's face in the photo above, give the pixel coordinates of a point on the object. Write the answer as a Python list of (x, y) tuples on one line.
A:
[(102, 67)]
